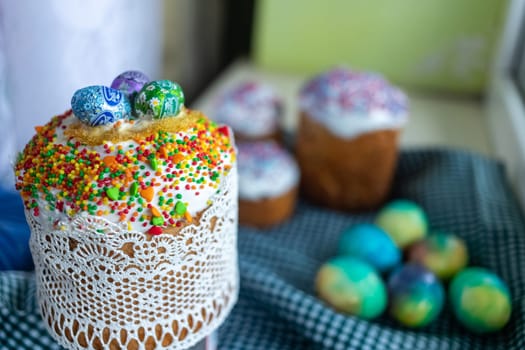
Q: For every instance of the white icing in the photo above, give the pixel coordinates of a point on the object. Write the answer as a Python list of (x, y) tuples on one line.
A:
[(351, 103), (265, 170), (194, 203), (348, 124), (251, 109)]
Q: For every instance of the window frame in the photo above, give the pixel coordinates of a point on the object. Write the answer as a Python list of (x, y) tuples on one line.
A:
[(505, 104), (517, 64)]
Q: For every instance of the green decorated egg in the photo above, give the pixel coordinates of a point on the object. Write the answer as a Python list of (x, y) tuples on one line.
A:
[(351, 286), (404, 221), (480, 300), (159, 99), (443, 254)]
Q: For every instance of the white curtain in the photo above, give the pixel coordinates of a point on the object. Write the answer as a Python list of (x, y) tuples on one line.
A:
[(50, 48)]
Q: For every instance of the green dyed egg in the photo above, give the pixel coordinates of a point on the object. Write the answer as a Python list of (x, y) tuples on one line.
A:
[(351, 286), (159, 99), (404, 221), (480, 300), (443, 254)]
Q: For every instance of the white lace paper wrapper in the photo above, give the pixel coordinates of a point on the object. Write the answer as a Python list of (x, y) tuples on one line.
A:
[(127, 290)]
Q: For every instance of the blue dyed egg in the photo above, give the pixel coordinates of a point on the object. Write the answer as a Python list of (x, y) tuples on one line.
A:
[(100, 105), (371, 244), (351, 286), (416, 295), (130, 83), (404, 221), (480, 300), (159, 99)]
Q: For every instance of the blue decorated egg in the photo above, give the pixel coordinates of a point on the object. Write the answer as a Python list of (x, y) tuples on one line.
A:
[(351, 286), (100, 105), (416, 295), (371, 244), (480, 300), (404, 221), (130, 83), (159, 99)]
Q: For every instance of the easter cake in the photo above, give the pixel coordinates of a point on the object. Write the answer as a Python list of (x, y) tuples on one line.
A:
[(347, 138), (251, 109), (132, 203), (268, 183)]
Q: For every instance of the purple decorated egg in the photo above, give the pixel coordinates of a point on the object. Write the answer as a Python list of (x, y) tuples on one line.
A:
[(130, 82), (416, 296)]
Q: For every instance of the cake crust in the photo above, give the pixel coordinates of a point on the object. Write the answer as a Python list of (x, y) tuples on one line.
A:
[(345, 174), (266, 212)]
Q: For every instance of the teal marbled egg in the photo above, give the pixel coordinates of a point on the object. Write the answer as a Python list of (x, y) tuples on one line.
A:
[(480, 300), (404, 221), (371, 244), (416, 295), (351, 286), (100, 105), (443, 254), (159, 99)]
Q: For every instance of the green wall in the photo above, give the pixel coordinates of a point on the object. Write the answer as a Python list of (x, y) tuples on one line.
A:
[(430, 44)]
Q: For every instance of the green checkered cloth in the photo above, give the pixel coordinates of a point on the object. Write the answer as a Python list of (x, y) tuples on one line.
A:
[(462, 193)]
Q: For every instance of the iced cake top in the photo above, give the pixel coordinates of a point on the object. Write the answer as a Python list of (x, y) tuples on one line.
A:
[(150, 170), (350, 103), (251, 109), (266, 170)]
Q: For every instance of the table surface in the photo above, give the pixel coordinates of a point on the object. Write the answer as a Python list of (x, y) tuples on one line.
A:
[(435, 120)]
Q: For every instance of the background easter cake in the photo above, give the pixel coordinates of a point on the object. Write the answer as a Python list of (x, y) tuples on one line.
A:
[(268, 183), (347, 138)]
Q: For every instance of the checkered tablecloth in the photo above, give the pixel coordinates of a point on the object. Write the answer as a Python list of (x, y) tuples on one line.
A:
[(277, 309)]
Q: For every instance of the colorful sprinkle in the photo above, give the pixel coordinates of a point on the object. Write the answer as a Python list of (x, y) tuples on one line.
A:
[(153, 163), (147, 193), (180, 208), (113, 193), (155, 212), (134, 189), (110, 161), (188, 217), (224, 130), (155, 230), (153, 174), (157, 221)]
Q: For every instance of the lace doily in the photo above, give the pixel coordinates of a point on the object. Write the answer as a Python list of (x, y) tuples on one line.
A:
[(103, 287)]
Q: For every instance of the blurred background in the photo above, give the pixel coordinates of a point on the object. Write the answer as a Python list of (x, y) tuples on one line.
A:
[(439, 45), (442, 51), (443, 46)]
